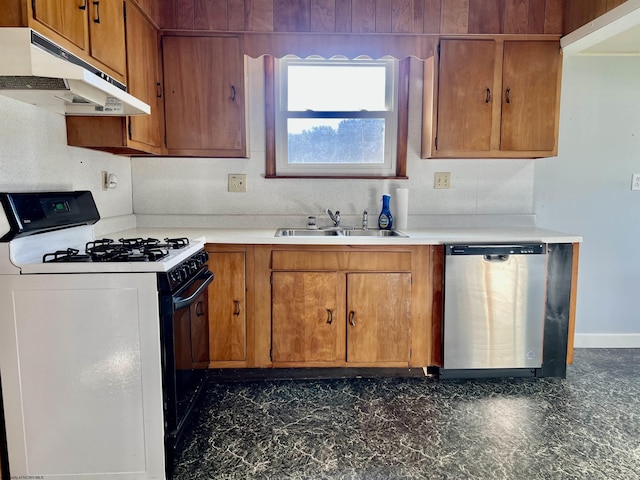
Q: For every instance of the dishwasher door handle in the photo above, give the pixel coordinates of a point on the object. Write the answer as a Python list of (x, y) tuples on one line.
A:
[(496, 258)]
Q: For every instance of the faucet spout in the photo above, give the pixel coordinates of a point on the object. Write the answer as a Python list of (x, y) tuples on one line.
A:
[(335, 217), (365, 220)]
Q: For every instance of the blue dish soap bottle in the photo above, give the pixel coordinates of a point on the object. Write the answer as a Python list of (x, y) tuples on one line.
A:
[(385, 220)]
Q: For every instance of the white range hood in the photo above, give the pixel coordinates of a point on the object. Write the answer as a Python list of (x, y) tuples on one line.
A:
[(37, 71), (617, 32)]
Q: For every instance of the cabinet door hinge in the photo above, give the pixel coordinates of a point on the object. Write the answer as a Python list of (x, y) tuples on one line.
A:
[(129, 128)]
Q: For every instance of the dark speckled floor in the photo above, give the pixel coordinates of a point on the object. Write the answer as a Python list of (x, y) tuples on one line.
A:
[(586, 426)]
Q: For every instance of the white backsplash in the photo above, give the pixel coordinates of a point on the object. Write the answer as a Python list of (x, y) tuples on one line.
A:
[(34, 156), (198, 186)]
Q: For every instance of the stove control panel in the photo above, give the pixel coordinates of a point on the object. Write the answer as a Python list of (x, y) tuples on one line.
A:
[(183, 272)]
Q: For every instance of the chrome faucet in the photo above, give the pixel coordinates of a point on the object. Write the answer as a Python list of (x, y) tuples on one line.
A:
[(335, 218), (365, 220)]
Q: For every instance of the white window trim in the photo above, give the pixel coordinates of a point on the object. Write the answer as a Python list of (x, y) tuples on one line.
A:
[(386, 169)]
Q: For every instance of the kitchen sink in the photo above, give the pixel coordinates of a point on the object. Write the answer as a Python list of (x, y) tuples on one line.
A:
[(333, 232)]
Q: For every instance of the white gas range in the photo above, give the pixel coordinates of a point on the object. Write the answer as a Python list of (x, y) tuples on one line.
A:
[(96, 341)]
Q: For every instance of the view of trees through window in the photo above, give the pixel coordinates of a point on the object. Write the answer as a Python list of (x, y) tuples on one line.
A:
[(349, 140)]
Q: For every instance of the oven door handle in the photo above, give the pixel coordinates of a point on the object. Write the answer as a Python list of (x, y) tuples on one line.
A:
[(180, 303)]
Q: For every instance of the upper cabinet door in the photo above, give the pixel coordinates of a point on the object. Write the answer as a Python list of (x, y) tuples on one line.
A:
[(204, 96), (143, 71), (530, 96), (466, 95), (68, 18), (106, 33)]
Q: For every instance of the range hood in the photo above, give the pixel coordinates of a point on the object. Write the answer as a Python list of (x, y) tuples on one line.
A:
[(617, 32), (35, 70)]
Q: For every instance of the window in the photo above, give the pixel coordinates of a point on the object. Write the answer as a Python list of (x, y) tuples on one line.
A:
[(334, 117)]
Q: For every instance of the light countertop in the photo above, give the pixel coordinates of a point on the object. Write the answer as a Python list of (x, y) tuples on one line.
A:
[(427, 236)]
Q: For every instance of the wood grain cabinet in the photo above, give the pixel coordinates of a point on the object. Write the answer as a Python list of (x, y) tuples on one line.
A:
[(204, 98), (91, 29), (491, 98), (227, 305), (341, 309), (139, 134)]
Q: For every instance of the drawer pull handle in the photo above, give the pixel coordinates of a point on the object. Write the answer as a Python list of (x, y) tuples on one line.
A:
[(83, 6), (233, 93), (329, 316), (488, 99), (199, 309), (96, 4), (508, 95), (236, 311), (352, 318)]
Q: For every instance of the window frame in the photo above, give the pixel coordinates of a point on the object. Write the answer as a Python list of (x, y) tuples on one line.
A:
[(271, 96)]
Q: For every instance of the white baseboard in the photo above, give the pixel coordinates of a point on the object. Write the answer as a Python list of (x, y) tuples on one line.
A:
[(607, 340)]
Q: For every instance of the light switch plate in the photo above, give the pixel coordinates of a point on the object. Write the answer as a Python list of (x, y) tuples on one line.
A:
[(442, 180), (237, 182)]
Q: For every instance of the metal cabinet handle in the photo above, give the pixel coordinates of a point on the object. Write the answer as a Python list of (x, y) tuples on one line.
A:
[(488, 99), (96, 4), (233, 93), (237, 307), (508, 95), (158, 90), (199, 309), (352, 318), (329, 316), (83, 6)]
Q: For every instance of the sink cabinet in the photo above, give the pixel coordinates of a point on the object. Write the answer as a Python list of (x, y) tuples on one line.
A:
[(492, 98), (350, 306)]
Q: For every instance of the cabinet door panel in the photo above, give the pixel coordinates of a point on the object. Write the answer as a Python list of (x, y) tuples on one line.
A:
[(106, 33), (530, 89), (65, 18), (378, 317), (227, 304), (142, 76), (466, 95), (304, 316), (203, 93)]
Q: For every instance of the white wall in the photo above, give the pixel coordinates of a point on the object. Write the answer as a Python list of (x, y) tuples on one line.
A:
[(198, 186), (586, 190), (34, 156)]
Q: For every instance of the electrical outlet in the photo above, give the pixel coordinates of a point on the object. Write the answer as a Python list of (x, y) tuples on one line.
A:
[(635, 181), (442, 180), (237, 182)]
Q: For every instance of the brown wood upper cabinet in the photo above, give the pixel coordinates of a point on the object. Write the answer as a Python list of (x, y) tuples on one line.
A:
[(492, 98), (137, 134), (204, 96), (91, 29)]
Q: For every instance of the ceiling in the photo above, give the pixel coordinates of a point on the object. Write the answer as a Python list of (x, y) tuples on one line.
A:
[(617, 32)]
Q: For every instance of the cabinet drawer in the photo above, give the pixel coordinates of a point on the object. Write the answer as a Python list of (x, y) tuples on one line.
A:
[(350, 261)]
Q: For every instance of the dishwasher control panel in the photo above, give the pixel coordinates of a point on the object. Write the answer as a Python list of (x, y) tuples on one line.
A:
[(497, 249)]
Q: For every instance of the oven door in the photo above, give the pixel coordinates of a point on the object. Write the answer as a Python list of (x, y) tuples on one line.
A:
[(185, 345)]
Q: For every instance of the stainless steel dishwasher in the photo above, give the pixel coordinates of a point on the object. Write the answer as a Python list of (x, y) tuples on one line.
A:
[(494, 297)]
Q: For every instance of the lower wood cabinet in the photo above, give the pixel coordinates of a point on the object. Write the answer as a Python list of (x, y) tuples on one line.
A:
[(274, 306), (228, 305)]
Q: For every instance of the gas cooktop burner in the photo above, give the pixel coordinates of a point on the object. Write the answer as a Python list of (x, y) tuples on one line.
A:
[(124, 250), (68, 255)]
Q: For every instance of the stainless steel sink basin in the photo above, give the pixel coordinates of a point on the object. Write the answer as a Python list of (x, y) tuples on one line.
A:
[(372, 233), (303, 232)]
